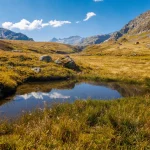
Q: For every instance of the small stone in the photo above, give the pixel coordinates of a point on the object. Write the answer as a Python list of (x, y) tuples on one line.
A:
[(17, 51), (36, 69), (136, 43)]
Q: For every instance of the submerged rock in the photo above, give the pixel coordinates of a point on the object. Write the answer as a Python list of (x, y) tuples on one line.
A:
[(67, 62), (46, 58)]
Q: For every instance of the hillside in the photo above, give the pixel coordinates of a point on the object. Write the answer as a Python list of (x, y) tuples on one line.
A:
[(133, 39), (138, 25), (10, 35), (135, 45), (37, 47)]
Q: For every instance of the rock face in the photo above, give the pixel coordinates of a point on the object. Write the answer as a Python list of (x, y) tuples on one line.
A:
[(10, 35), (67, 62), (138, 25), (46, 58)]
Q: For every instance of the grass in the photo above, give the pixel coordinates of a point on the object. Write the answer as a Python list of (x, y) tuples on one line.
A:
[(16, 68), (119, 124), (115, 68)]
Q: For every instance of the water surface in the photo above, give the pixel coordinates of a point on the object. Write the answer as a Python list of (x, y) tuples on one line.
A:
[(35, 95)]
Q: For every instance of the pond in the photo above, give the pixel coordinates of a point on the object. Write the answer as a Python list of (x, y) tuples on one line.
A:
[(35, 95)]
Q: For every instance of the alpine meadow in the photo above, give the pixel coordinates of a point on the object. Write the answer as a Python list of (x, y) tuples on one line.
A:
[(77, 79)]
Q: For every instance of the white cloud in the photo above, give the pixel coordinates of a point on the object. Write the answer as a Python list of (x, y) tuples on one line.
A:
[(98, 0), (36, 24), (55, 23), (89, 15), (7, 25), (78, 22)]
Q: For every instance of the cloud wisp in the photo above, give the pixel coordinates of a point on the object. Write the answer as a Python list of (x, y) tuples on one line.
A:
[(98, 0), (89, 15), (36, 24), (55, 23)]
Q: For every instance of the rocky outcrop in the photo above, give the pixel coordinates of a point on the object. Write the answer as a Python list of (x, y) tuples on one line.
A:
[(136, 26), (67, 62), (46, 58)]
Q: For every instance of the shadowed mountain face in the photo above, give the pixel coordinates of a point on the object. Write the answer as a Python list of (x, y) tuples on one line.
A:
[(138, 25), (79, 41), (10, 35)]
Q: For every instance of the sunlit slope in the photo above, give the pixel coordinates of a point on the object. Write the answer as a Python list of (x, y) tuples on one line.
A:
[(37, 47), (128, 45)]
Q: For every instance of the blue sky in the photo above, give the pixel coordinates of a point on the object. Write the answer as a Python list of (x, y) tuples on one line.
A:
[(45, 19)]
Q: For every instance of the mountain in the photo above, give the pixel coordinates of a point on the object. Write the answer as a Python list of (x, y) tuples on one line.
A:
[(79, 41), (10, 35), (138, 25), (94, 39), (72, 40)]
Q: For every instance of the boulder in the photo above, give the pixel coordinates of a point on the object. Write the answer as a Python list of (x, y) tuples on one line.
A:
[(36, 69), (67, 62), (136, 43), (46, 58)]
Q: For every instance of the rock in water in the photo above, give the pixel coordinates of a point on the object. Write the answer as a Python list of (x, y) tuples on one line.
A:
[(46, 58), (67, 62)]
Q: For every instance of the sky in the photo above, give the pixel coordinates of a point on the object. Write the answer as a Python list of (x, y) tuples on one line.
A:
[(44, 19)]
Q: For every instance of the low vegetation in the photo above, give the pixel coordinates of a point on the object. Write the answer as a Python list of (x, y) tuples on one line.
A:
[(119, 124), (123, 60)]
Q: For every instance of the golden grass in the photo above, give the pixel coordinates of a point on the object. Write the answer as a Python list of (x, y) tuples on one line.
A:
[(135, 69), (38, 47), (120, 124), (121, 47)]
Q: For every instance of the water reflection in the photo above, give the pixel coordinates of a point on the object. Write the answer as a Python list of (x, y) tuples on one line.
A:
[(34, 95), (42, 96)]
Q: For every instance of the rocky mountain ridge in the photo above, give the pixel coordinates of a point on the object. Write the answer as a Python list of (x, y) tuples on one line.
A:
[(138, 25), (79, 41), (10, 35)]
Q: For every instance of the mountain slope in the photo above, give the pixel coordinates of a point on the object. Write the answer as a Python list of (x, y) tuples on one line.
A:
[(138, 25), (79, 41), (94, 40), (10, 35), (73, 40)]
